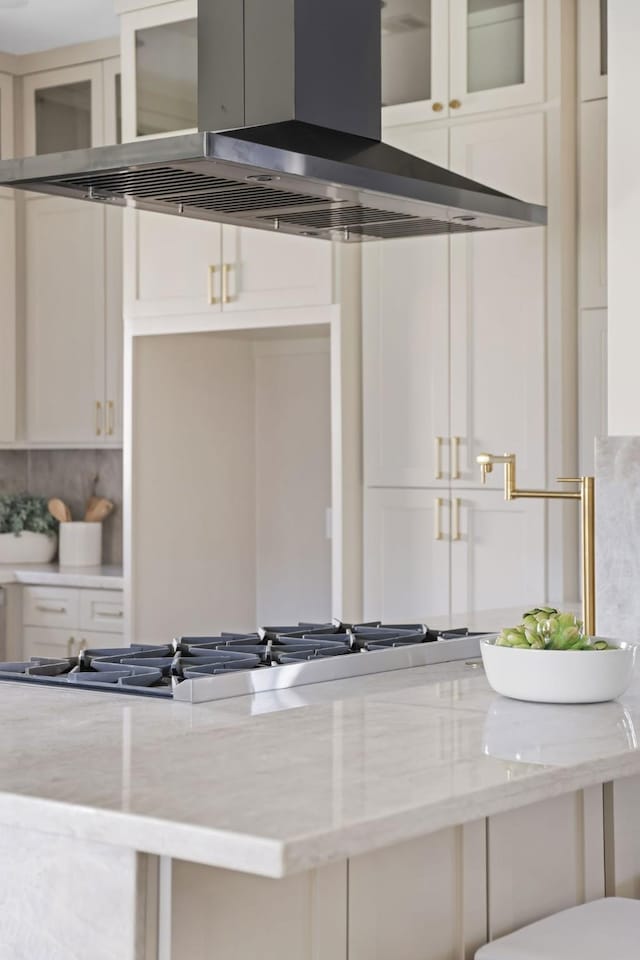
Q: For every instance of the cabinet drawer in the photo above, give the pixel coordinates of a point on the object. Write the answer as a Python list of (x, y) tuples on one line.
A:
[(50, 607), (49, 642), (102, 610)]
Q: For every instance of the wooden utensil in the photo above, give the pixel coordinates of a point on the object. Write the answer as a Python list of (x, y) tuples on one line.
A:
[(92, 502), (59, 510), (99, 511)]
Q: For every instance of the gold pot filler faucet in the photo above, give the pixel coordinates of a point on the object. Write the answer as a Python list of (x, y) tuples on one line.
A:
[(587, 501)]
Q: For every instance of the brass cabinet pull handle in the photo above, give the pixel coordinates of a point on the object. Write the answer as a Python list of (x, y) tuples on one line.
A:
[(110, 418), (113, 614), (437, 451), (46, 609), (437, 106), (455, 458), (211, 279), (98, 419), (226, 268), (455, 519), (437, 506), (70, 643), (455, 104)]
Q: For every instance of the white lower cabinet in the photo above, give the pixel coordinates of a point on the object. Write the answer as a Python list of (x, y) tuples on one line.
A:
[(428, 553), (61, 622), (190, 267)]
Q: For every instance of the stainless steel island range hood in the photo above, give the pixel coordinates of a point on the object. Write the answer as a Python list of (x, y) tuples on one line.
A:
[(292, 89)]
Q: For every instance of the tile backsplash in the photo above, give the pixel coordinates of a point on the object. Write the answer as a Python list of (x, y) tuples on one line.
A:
[(73, 475)]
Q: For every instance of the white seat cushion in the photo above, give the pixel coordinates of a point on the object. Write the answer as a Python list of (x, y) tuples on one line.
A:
[(606, 929)]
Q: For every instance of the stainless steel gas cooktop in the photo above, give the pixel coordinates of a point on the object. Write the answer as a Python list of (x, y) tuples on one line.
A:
[(199, 669)]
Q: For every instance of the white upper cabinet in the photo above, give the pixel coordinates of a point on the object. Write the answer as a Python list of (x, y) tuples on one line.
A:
[(498, 306), (73, 269), (497, 54), (186, 267), (455, 57), (592, 49), (63, 109), (262, 271), (160, 70), (65, 321), (415, 61)]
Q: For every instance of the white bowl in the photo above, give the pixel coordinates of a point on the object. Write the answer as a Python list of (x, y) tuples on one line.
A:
[(559, 676)]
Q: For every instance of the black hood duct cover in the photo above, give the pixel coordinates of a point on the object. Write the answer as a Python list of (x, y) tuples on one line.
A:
[(292, 88)]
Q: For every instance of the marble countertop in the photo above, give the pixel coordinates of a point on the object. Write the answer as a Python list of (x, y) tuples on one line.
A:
[(50, 574), (282, 782)]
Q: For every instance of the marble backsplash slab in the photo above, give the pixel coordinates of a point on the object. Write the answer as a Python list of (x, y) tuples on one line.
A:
[(73, 475), (618, 537)]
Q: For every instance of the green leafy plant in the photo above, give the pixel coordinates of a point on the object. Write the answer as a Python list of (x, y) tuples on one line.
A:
[(545, 628), (20, 512)]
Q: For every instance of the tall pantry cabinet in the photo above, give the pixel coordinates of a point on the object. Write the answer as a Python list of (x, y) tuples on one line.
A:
[(455, 331), (592, 221), (7, 274)]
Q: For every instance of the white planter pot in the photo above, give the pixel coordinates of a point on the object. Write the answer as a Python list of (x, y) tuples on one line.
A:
[(27, 547)]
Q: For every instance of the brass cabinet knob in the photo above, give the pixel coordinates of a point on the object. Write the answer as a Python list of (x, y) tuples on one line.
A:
[(455, 104), (437, 106)]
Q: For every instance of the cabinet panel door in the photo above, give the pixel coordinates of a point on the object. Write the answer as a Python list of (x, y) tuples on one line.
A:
[(415, 61), (262, 271), (172, 265), (65, 284), (7, 320), (497, 54), (592, 48), (497, 552), (545, 857), (405, 300), (498, 306), (406, 555), (592, 385), (592, 217), (114, 326), (49, 642), (6, 116)]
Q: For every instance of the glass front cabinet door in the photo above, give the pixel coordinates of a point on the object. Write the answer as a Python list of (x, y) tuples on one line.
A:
[(414, 60), (160, 70), (496, 54), (63, 109), (447, 58)]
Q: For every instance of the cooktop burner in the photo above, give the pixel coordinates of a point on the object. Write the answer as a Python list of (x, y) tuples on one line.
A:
[(213, 667)]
